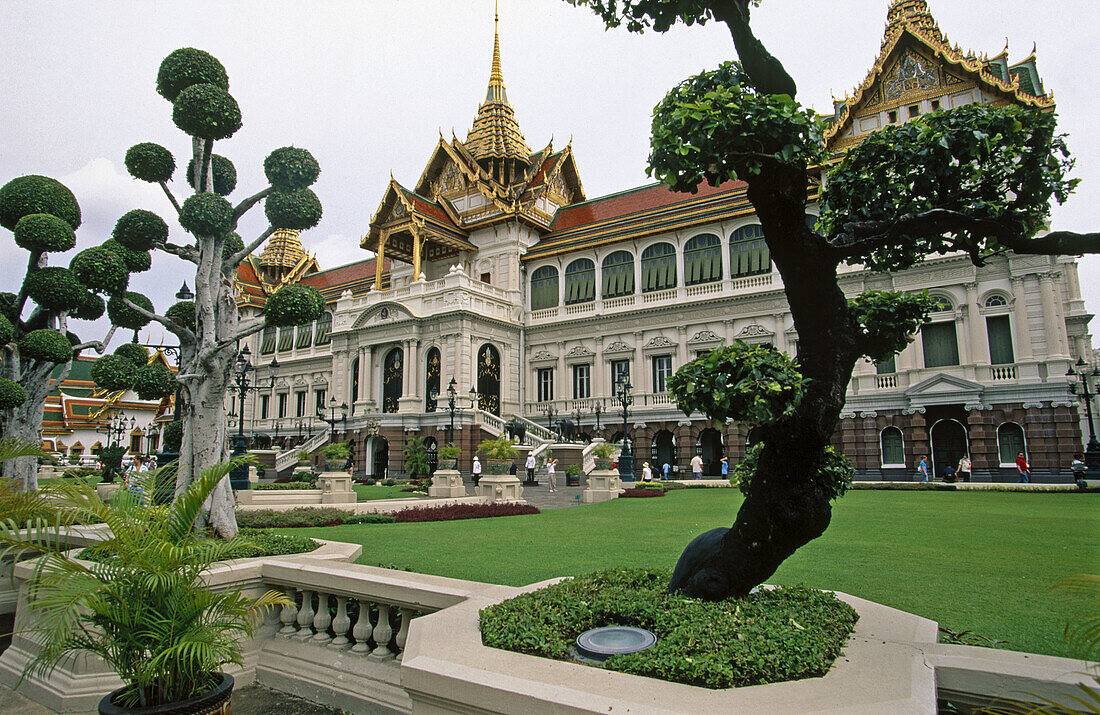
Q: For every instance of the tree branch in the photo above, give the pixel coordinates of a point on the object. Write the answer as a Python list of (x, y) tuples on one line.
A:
[(35, 261), (205, 175), (179, 330), (187, 253), (248, 328), (241, 208), (1055, 243), (100, 346), (240, 255), (766, 73), (168, 193)]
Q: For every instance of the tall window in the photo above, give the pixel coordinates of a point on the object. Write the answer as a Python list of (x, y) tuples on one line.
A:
[(941, 344), (323, 334), (546, 384), (580, 282), (749, 254), (267, 340), (299, 404), (135, 444), (265, 407), (431, 379), (304, 336), (662, 370), (544, 288), (354, 380), (282, 404), (319, 400), (582, 381), (887, 366), (703, 259), (619, 369), (1000, 339), (1010, 442), (658, 267), (618, 274), (893, 447), (286, 337)]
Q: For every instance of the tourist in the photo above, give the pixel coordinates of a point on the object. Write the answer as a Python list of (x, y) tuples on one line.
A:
[(476, 470), (552, 482), (949, 474), (922, 469), (963, 470), (349, 465), (1078, 466), (647, 473), (666, 470), (725, 468), (1023, 468), (530, 467), (697, 466)]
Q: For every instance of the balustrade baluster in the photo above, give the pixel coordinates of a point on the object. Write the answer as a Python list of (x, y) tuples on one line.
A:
[(340, 623), (382, 633), (361, 631), (403, 632), (305, 617), (289, 615), (322, 620)]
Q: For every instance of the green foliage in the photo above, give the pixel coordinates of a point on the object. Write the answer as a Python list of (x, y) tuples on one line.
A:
[(1001, 165), (34, 194), (833, 476), (46, 345), (173, 435), (225, 174), (501, 447), (770, 636), (185, 67), (263, 543), (296, 210), (136, 261), (206, 215), (150, 162), (114, 372), (7, 330), (747, 383), (183, 313), (140, 230), (207, 112), (54, 288), (143, 608), (290, 168), (714, 126), (303, 516), (336, 451), (294, 304), (887, 319), (126, 317), (604, 450), (89, 307), (101, 270), (233, 244), (279, 486), (659, 15), (416, 458), (45, 233), (154, 381), (136, 354), (12, 394), (7, 303), (449, 451)]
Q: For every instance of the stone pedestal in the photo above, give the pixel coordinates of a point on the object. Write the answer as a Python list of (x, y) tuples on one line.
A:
[(106, 491), (336, 488), (603, 485), (447, 483), (253, 475), (500, 487)]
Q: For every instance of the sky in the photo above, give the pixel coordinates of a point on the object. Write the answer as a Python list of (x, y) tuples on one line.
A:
[(368, 87)]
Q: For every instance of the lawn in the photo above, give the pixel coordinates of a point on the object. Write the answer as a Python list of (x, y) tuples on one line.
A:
[(982, 562), (364, 492)]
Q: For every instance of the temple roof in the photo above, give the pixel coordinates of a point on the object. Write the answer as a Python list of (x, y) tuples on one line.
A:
[(283, 250), (496, 133)]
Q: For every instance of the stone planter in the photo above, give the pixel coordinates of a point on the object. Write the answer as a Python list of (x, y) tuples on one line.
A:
[(603, 485), (500, 487), (448, 464), (447, 483), (603, 464), (497, 466), (572, 479), (335, 465)]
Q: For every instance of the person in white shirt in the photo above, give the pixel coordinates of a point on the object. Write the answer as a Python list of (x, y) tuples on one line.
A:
[(550, 465), (697, 466), (647, 473), (963, 471), (530, 468), (476, 470)]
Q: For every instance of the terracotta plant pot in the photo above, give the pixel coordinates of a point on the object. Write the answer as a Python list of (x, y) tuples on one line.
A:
[(214, 702)]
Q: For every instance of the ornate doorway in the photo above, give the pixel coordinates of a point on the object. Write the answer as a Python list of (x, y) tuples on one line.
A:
[(948, 445), (392, 380), (488, 379), (710, 449)]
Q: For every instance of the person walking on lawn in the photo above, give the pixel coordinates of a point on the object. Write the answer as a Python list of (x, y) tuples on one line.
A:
[(1023, 468)]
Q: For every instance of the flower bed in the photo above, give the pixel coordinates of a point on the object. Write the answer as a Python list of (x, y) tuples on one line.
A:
[(642, 492), (283, 485), (452, 512), (304, 517)]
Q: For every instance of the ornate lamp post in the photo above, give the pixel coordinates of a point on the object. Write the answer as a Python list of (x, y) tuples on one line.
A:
[(550, 412), (626, 459), (115, 427), (239, 476), (596, 411), (332, 419), (1090, 385)]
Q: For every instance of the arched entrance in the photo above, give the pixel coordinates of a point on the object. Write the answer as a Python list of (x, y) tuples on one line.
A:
[(949, 444), (711, 450), (488, 379), (377, 457), (664, 449), (392, 380)]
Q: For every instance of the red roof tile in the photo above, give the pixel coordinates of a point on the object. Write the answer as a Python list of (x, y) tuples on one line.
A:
[(632, 201)]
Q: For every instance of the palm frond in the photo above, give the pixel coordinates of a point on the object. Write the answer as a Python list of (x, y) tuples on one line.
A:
[(14, 447)]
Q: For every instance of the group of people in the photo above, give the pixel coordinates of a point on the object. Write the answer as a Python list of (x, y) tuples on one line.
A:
[(962, 472)]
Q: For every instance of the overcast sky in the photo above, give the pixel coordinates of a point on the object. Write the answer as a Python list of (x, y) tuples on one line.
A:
[(368, 87)]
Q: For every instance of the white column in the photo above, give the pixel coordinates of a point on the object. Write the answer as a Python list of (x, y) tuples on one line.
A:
[(1020, 321), (979, 342)]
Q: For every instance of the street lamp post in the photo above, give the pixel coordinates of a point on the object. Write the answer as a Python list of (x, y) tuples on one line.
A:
[(550, 412), (332, 419), (239, 476), (1090, 385), (597, 410), (115, 427), (626, 459)]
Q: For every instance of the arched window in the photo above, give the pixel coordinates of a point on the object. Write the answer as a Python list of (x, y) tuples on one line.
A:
[(286, 337), (392, 380), (354, 380), (323, 336), (893, 447), (996, 301), (580, 282), (618, 274), (941, 303), (304, 336), (544, 288), (658, 267), (702, 259), (999, 330), (749, 254), (1010, 442), (431, 379)]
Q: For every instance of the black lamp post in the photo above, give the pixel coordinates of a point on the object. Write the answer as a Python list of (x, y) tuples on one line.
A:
[(114, 428), (597, 410), (239, 476), (550, 412), (626, 459), (1090, 385), (332, 419)]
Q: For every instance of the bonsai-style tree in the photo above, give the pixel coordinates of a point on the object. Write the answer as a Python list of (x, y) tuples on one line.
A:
[(36, 323), (209, 328), (977, 179)]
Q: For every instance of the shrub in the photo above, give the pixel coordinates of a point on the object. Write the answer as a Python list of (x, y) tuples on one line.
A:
[(283, 484), (370, 519), (296, 210), (136, 261), (451, 512), (46, 345), (768, 637), (642, 492), (294, 518), (100, 269), (187, 66), (501, 447), (206, 215), (12, 394), (34, 194), (150, 162), (123, 315), (207, 112), (44, 232), (140, 230), (290, 168), (54, 288), (224, 174), (449, 451), (388, 482)]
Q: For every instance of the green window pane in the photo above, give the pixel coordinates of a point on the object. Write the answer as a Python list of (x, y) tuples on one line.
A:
[(1000, 340), (1010, 438), (267, 340), (887, 366), (286, 337), (304, 336), (893, 451), (580, 282), (544, 288), (702, 259), (941, 345), (324, 329), (659, 267)]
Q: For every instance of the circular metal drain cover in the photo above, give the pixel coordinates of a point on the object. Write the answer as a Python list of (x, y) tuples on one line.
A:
[(599, 643)]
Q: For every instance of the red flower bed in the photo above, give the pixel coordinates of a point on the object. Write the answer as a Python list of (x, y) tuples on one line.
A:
[(451, 512), (639, 493)]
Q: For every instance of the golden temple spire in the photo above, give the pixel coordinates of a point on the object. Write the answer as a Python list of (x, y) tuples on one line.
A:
[(282, 253), (914, 13)]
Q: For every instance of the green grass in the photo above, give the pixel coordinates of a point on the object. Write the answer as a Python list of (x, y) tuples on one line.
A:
[(982, 562), (364, 492)]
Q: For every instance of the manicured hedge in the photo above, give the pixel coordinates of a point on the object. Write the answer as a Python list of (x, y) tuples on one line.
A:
[(769, 637), (451, 512), (283, 485), (306, 516), (642, 492)]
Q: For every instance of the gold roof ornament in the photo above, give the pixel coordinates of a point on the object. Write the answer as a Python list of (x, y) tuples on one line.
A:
[(914, 13), (283, 250), (495, 134)]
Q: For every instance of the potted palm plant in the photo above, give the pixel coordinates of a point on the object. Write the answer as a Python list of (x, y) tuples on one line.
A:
[(448, 456), (499, 452), (601, 454), (137, 600), (336, 456)]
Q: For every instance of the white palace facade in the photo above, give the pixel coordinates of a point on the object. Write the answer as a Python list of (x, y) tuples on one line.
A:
[(495, 270)]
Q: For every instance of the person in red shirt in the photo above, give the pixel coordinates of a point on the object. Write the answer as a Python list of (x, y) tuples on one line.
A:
[(1023, 469)]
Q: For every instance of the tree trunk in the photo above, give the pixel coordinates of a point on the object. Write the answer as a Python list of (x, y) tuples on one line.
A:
[(25, 421)]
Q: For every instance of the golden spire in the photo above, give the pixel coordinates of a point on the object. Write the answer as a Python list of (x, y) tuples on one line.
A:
[(282, 252), (495, 134), (911, 12)]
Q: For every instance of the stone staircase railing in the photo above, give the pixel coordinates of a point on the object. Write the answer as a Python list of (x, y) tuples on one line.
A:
[(288, 458)]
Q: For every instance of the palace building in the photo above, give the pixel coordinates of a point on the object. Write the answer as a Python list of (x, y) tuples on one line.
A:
[(495, 274)]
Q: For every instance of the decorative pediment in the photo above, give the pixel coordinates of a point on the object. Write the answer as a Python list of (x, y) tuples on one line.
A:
[(705, 336), (944, 389), (319, 379), (618, 347), (300, 381), (579, 351), (754, 331), (543, 356), (382, 314), (659, 342)]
